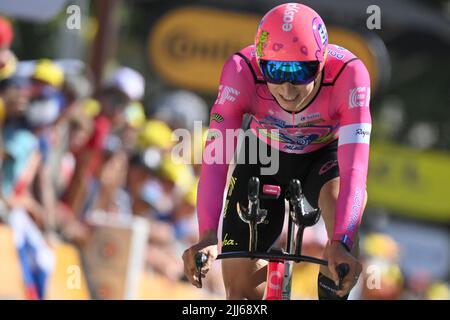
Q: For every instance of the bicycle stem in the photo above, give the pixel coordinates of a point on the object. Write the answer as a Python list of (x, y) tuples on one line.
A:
[(290, 236), (253, 236), (299, 242)]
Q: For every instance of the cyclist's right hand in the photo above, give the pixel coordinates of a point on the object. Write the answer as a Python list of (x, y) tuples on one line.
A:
[(207, 245)]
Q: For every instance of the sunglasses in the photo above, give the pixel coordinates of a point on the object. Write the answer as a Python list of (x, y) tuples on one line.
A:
[(294, 72)]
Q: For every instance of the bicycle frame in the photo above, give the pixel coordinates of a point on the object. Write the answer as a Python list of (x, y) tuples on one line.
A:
[(280, 267)]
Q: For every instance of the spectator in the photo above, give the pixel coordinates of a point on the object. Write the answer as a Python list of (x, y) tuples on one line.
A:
[(71, 124), (124, 86), (7, 58), (438, 291), (155, 133), (381, 255), (179, 109), (46, 104), (14, 97), (135, 118)]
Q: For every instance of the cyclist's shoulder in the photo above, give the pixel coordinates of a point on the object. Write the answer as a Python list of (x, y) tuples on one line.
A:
[(338, 59), (248, 54), (244, 62)]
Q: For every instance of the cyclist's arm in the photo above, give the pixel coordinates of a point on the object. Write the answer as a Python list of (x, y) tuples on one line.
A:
[(352, 90), (232, 102)]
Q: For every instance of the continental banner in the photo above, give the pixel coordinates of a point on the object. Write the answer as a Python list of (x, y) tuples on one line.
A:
[(189, 45), (411, 182)]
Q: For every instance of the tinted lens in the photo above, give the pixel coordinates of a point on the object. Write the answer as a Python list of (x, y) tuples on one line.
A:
[(295, 72)]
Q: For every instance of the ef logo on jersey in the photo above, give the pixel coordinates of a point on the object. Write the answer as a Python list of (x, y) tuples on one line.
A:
[(359, 97), (226, 93)]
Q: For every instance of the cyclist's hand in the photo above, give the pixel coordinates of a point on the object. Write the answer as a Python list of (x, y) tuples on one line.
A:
[(336, 255), (208, 245)]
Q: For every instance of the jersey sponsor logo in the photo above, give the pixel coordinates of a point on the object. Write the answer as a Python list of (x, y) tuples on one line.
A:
[(225, 208), (362, 132), (272, 134), (312, 123), (335, 54), (228, 242), (230, 191), (226, 93), (327, 166), (298, 142), (216, 117), (232, 184), (355, 133), (311, 116), (356, 208), (212, 134), (359, 97), (270, 121), (288, 17), (295, 136)]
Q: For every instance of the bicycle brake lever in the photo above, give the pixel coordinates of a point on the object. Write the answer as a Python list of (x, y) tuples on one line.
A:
[(253, 189), (343, 269), (200, 260)]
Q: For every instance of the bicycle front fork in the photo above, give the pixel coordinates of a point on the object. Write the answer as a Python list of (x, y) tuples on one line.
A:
[(279, 279), (275, 279)]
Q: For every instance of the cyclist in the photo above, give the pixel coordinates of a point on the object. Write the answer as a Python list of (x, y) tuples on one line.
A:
[(317, 96)]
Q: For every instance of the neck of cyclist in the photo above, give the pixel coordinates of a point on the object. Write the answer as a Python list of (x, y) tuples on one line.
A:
[(293, 98)]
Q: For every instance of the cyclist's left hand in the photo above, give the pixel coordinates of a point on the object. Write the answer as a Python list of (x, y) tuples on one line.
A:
[(336, 255)]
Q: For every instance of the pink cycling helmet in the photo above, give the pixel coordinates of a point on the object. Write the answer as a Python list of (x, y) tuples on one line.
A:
[(292, 32)]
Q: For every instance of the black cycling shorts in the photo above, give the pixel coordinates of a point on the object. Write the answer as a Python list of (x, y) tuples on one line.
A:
[(313, 170)]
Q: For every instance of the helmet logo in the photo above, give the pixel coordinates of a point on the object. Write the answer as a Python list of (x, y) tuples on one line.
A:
[(263, 37), (321, 37), (323, 34), (288, 18)]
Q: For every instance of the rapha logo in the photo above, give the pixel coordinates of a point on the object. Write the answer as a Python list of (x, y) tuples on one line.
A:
[(362, 132), (359, 97), (226, 93)]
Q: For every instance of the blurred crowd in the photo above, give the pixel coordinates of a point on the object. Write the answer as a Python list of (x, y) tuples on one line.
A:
[(69, 150)]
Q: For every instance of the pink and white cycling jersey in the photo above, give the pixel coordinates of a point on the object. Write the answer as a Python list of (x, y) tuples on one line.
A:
[(339, 110)]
